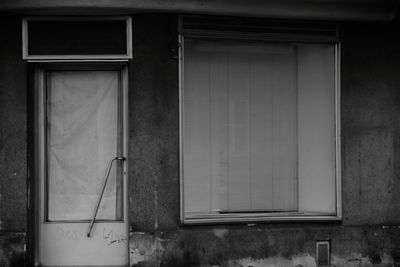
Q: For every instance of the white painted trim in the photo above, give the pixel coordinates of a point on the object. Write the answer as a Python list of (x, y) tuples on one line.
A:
[(181, 81), (125, 149), (76, 57), (77, 60), (25, 41), (129, 44), (258, 218), (338, 133), (39, 155)]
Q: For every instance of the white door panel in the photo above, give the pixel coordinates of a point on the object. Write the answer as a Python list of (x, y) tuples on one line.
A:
[(81, 128)]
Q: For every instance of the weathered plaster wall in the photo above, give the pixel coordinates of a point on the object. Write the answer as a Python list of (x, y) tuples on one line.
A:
[(154, 124), (370, 104), (13, 139), (13, 144), (370, 123), (266, 245)]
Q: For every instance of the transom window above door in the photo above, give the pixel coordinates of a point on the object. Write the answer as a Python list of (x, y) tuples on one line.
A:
[(259, 132), (77, 38)]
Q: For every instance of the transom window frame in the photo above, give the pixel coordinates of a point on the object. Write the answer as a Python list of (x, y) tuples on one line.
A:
[(252, 217), (25, 39)]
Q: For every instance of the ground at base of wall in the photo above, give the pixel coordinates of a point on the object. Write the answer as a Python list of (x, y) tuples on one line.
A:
[(246, 246), (12, 249)]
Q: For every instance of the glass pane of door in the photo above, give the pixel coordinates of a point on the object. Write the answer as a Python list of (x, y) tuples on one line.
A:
[(82, 137)]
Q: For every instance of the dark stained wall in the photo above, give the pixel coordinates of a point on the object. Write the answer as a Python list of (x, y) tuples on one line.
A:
[(370, 123), (13, 127), (154, 124), (13, 144), (370, 108), (370, 105)]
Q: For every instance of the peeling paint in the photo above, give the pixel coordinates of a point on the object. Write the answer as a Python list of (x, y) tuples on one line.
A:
[(220, 232), (303, 260), (136, 257), (265, 246), (297, 260), (144, 248), (357, 259), (12, 252), (269, 262)]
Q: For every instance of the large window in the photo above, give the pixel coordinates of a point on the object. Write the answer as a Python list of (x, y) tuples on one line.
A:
[(259, 133)]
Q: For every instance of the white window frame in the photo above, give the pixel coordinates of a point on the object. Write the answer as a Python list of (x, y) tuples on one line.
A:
[(27, 56), (253, 217)]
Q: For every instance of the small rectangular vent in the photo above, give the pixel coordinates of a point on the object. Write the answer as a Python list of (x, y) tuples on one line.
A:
[(323, 253)]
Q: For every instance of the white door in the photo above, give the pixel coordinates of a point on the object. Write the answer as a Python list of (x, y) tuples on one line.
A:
[(81, 148)]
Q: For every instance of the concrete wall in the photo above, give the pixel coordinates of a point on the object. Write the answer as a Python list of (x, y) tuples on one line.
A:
[(369, 233), (13, 143), (13, 127), (370, 124), (370, 104), (154, 124)]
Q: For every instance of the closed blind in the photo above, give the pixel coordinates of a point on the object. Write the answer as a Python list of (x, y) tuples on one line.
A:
[(240, 127), (258, 127)]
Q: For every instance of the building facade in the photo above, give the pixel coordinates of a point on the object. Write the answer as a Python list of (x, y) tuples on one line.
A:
[(199, 134)]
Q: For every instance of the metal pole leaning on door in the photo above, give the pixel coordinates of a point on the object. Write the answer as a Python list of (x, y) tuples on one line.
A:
[(101, 194)]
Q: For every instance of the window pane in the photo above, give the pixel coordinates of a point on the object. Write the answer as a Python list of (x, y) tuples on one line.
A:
[(258, 128), (240, 127), (82, 138), (316, 128), (86, 37)]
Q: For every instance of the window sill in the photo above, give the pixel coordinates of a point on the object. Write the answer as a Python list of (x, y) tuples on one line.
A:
[(259, 217)]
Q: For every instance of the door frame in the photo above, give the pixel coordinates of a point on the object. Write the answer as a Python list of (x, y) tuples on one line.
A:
[(36, 82)]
